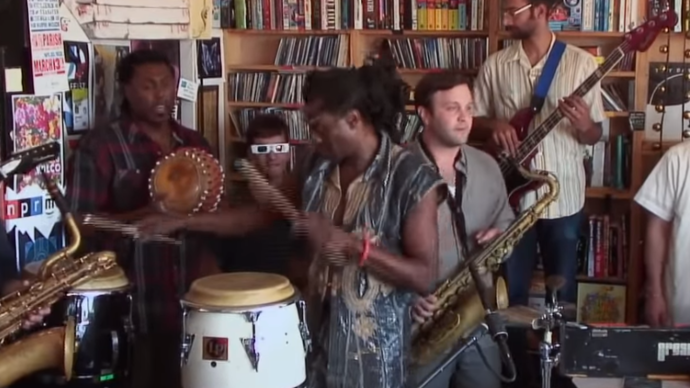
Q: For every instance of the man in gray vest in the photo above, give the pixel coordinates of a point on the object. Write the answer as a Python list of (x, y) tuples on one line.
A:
[(477, 195)]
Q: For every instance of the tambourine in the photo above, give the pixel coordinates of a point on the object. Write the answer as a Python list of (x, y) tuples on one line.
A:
[(187, 181)]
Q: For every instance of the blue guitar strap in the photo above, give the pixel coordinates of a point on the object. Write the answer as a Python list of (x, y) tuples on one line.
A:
[(547, 74)]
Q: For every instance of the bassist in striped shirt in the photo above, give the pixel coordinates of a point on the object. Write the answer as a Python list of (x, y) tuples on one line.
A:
[(506, 84)]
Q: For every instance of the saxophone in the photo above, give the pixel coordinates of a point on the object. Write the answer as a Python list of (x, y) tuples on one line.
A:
[(60, 272), (461, 310)]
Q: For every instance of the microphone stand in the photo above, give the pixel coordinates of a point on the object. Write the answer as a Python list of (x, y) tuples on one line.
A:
[(494, 322), (549, 351), (457, 351)]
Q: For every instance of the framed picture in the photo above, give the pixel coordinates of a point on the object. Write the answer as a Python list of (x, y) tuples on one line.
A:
[(208, 115), (210, 58)]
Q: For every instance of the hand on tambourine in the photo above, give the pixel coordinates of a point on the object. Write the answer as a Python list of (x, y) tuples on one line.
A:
[(332, 243), (160, 224), (35, 317)]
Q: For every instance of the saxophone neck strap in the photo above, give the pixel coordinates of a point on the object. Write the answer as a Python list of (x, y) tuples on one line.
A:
[(455, 202)]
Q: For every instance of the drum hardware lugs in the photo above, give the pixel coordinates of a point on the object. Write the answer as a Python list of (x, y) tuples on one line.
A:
[(303, 328), (115, 343), (549, 352), (249, 344), (186, 347)]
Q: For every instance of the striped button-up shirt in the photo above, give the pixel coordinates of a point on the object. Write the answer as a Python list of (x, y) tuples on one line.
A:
[(505, 84), (108, 174)]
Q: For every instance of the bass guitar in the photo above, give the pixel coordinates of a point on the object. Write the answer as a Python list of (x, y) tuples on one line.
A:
[(517, 185)]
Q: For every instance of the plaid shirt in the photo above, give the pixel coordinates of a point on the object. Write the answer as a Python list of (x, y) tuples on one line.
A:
[(108, 174)]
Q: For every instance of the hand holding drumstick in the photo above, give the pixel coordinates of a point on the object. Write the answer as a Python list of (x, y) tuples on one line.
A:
[(334, 244)]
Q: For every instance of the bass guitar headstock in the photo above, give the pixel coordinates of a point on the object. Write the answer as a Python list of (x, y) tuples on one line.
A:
[(645, 34)]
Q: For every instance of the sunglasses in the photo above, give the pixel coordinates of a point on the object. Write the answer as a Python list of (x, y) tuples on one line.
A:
[(260, 149)]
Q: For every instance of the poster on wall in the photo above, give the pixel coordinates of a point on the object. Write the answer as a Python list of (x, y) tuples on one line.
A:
[(31, 217), (107, 93), (210, 58), (668, 90), (47, 55), (77, 101)]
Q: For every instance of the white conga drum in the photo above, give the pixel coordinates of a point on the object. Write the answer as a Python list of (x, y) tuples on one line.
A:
[(243, 330)]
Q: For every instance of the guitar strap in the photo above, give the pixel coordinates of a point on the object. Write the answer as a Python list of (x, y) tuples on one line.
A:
[(538, 99), (547, 75)]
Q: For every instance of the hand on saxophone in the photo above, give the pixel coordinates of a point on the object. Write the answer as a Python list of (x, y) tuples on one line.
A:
[(423, 308), (35, 317), (487, 235)]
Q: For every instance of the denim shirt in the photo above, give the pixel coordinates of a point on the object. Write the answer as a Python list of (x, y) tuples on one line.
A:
[(364, 333)]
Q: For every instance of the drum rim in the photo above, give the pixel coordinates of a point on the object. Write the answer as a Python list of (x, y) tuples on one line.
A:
[(123, 289), (296, 297)]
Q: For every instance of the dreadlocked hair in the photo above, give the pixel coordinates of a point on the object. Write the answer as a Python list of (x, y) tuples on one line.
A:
[(375, 90)]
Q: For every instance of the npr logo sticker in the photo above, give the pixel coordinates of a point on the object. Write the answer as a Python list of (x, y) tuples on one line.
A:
[(28, 207)]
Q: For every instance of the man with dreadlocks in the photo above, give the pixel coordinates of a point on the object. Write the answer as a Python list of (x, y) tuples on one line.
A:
[(370, 211)]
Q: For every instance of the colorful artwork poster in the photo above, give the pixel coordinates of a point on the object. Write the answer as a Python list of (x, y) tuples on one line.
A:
[(77, 102), (36, 244), (107, 93), (37, 120)]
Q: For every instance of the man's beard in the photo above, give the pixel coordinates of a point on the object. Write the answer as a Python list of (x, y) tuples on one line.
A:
[(519, 34)]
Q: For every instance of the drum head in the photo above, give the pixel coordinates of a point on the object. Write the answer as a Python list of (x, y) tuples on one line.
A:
[(111, 279), (177, 184), (240, 289)]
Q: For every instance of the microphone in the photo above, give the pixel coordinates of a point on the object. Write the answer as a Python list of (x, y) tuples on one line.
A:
[(494, 322), (25, 161)]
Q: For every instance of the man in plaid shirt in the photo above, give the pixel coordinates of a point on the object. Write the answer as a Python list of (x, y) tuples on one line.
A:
[(108, 175)]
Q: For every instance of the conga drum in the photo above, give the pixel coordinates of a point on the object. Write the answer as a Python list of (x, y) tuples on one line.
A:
[(243, 330), (102, 311)]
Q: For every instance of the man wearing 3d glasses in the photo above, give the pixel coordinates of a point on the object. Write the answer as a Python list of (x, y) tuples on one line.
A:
[(269, 249)]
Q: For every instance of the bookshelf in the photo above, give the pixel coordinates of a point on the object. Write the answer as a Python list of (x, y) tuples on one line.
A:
[(255, 50)]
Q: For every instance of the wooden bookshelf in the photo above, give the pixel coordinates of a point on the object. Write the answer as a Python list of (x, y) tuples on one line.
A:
[(255, 50)]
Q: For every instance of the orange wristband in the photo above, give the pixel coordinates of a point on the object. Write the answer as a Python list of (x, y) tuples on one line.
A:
[(365, 250)]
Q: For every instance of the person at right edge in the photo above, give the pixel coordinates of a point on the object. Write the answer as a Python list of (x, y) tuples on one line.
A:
[(503, 86), (665, 196), (477, 195)]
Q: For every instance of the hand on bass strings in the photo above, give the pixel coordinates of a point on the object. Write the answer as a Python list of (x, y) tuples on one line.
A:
[(35, 317), (505, 137), (332, 243), (424, 308), (575, 109), (656, 311)]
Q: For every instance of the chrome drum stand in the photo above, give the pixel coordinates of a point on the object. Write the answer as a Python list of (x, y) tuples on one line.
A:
[(549, 351)]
